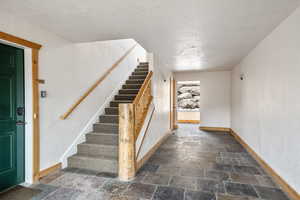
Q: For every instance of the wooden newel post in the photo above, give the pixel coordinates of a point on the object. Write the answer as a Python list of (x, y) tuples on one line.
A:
[(127, 166)]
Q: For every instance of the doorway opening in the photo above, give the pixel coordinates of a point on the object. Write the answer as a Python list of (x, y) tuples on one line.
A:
[(188, 102)]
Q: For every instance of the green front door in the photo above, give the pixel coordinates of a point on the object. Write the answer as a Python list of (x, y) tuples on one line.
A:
[(11, 116)]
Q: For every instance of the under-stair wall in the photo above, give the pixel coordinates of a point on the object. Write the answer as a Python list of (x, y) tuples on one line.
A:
[(94, 59)]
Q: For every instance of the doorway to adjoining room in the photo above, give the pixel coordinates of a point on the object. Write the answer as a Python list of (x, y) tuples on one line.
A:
[(188, 102)]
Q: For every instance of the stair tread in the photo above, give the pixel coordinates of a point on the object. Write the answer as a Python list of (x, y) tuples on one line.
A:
[(98, 145), (105, 123), (99, 157), (125, 101), (126, 95), (102, 133), (130, 89)]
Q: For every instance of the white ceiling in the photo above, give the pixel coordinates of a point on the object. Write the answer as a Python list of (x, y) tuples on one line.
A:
[(183, 34)]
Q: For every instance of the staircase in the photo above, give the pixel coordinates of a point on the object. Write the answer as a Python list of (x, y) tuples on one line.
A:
[(100, 151)]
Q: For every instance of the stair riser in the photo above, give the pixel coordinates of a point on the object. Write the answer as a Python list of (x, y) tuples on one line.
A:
[(131, 86), (119, 97), (92, 150), (93, 164), (106, 128), (115, 104), (141, 70), (134, 81), (139, 73), (109, 119), (102, 139), (132, 91), (112, 111), (136, 77)]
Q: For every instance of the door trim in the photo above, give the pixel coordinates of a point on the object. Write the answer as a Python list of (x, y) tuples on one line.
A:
[(35, 97)]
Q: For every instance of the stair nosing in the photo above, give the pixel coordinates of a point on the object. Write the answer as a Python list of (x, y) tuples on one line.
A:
[(126, 95), (105, 123), (102, 157), (97, 144), (101, 133), (108, 115)]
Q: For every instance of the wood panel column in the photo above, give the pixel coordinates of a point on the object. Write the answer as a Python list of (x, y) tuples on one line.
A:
[(127, 164)]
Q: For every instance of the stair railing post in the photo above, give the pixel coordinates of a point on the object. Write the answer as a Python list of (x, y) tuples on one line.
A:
[(127, 163)]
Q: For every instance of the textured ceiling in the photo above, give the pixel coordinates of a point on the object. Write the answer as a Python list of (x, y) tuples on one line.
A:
[(183, 34)]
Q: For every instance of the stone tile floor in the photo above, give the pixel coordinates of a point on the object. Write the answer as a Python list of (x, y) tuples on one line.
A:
[(190, 165)]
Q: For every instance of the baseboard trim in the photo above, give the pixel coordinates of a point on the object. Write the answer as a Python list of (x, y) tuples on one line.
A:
[(47, 171), (189, 121), (217, 129), (142, 161), (280, 181)]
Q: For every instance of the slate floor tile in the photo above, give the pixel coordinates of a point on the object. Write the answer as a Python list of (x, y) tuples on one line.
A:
[(149, 168), (247, 170), (228, 161), (63, 194), (140, 190), (89, 183), (168, 170), (122, 197), (222, 167), (114, 187), (191, 172), (248, 161), (230, 197), (19, 193), (157, 179), (45, 190), (209, 185), (242, 178), (168, 193), (265, 181), (184, 182), (67, 180), (198, 195), (240, 189), (216, 175), (196, 165), (93, 196), (271, 193)]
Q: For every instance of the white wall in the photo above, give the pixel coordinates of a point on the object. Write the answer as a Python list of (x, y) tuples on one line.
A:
[(266, 105), (215, 96), (69, 69)]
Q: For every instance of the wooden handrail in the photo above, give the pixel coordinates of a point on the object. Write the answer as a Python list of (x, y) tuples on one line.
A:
[(91, 89), (144, 86)]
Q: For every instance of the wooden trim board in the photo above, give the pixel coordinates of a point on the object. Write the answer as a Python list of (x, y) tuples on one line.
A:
[(49, 170), (35, 117), (217, 129), (35, 99), (142, 161), (189, 121), (280, 181), (20, 41)]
